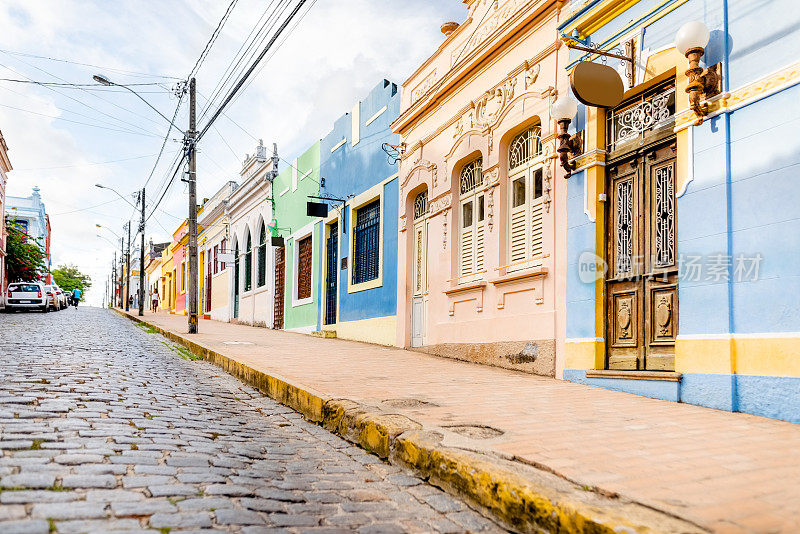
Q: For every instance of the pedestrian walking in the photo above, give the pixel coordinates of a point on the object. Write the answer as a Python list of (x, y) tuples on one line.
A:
[(130, 301), (155, 301), (76, 297)]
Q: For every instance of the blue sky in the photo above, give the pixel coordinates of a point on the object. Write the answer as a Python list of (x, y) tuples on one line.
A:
[(67, 139)]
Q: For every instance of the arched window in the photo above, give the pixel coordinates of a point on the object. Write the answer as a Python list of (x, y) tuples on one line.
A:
[(471, 219), (421, 205), (525, 197), (262, 257), (248, 263)]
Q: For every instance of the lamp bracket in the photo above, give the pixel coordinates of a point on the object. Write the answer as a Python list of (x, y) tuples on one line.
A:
[(586, 45)]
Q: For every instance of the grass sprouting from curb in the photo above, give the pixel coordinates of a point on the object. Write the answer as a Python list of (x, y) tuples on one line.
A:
[(147, 328)]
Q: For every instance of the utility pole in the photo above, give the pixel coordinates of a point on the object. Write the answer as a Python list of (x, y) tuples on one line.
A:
[(190, 146), (114, 281), (128, 269), (141, 260), (122, 271)]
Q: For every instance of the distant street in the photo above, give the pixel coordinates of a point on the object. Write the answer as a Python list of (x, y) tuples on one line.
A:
[(106, 428)]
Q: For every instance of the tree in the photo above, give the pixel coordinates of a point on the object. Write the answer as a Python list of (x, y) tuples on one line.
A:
[(25, 258), (68, 277)]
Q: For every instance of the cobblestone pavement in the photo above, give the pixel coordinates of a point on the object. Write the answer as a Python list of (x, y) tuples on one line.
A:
[(105, 427)]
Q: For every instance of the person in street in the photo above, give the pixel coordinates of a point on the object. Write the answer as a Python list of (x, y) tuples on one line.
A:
[(155, 301), (76, 296), (130, 301)]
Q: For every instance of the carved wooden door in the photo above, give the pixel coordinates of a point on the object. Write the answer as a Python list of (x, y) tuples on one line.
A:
[(280, 265), (642, 276)]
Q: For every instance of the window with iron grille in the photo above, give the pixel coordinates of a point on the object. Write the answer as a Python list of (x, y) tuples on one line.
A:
[(366, 241), (216, 259), (223, 248), (304, 268), (248, 264), (262, 258)]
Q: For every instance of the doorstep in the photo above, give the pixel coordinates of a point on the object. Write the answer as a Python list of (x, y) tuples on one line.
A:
[(668, 376)]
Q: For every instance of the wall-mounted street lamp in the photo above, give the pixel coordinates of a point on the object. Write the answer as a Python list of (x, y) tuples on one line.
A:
[(564, 109), (691, 41)]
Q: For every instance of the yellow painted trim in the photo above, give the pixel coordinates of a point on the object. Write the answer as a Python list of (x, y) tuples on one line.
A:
[(601, 15), (374, 192), (762, 356), (584, 354), (378, 330)]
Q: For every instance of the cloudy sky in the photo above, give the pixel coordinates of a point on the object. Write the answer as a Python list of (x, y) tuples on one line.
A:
[(66, 139)]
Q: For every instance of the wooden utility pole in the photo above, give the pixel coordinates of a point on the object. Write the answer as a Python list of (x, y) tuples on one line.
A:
[(193, 272), (114, 281), (128, 269), (141, 260)]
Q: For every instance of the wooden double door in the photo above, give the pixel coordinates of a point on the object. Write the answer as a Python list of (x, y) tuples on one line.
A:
[(642, 276)]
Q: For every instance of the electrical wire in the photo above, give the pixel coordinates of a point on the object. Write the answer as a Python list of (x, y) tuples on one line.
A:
[(250, 70), (88, 164), (234, 64), (54, 117), (212, 40), (121, 71)]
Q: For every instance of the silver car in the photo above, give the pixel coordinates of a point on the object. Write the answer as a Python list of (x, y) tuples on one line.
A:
[(28, 296)]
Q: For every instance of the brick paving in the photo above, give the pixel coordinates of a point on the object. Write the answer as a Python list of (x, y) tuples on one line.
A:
[(726, 472), (105, 428)]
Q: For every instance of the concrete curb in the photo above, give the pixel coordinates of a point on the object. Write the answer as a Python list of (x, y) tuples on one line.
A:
[(522, 498)]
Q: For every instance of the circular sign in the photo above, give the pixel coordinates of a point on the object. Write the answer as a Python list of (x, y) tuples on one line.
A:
[(596, 84)]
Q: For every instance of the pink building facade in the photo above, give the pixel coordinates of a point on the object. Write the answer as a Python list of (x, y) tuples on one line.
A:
[(5, 167), (482, 195)]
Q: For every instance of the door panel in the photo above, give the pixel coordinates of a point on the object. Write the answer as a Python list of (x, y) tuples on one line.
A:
[(331, 278), (280, 263), (642, 279)]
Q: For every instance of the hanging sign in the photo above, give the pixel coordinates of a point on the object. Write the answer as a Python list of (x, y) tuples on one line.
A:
[(597, 85)]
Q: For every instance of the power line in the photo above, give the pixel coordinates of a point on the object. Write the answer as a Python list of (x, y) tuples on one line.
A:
[(212, 40), (79, 101), (54, 117), (88, 164), (60, 60), (66, 84), (247, 74), (234, 63)]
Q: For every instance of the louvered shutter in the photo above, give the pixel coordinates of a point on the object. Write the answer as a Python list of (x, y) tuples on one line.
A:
[(467, 237)]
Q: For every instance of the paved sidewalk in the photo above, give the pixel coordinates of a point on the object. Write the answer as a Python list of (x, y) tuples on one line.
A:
[(725, 472)]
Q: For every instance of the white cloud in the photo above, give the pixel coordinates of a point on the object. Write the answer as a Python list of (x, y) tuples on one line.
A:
[(338, 52)]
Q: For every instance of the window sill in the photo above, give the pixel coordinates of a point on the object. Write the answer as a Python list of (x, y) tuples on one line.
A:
[(536, 272), (301, 302), (363, 286), (664, 376), (465, 287)]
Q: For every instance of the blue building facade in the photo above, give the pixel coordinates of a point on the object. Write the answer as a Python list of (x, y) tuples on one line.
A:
[(357, 258), (705, 201)]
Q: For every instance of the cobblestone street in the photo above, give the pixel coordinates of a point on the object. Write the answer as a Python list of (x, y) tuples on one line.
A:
[(106, 427)]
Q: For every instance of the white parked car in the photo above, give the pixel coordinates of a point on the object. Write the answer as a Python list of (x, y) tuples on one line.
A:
[(28, 296)]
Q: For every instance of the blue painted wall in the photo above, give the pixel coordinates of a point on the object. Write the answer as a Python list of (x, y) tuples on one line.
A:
[(743, 201), (350, 170)]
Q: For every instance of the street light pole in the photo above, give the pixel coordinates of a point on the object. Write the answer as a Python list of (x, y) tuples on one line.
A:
[(141, 260), (190, 142), (121, 272)]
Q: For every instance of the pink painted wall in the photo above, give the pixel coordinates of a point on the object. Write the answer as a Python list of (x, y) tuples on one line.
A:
[(444, 126)]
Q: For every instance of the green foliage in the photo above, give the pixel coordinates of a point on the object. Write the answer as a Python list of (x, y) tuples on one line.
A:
[(68, 277), (25, 258)]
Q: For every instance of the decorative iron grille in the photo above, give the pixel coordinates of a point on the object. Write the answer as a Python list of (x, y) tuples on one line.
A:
[(471, 175), (248, 264), (262, 258), (649, 111), (331, 272), (525, 147), (367, 243), (624, 253), (665, 216), (421, 205)]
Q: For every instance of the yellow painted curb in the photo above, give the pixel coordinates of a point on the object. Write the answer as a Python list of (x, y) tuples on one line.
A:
[(522, 498)]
